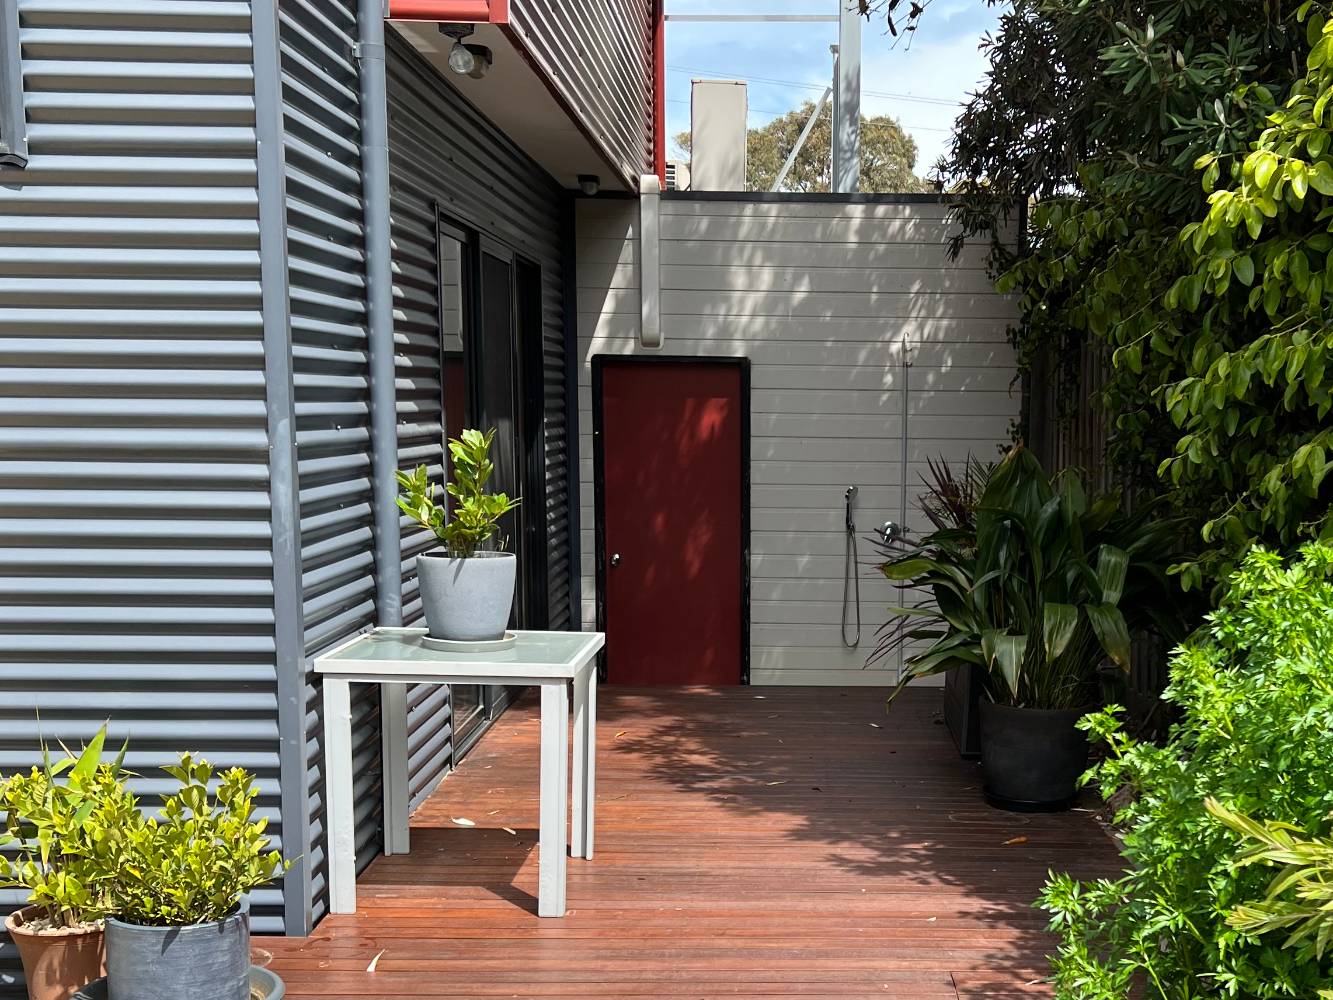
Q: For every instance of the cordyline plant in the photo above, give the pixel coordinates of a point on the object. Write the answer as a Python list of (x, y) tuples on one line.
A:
[(1038, 587), (1195, 913), (475, 515), (57, 819)]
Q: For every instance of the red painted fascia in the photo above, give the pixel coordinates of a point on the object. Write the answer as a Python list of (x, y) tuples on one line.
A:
[(659, 91), (453, 11)]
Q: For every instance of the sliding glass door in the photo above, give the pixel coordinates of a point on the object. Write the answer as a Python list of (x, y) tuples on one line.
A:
[(491, 363)]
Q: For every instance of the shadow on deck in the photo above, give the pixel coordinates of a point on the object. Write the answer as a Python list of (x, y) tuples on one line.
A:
[(758, 842)]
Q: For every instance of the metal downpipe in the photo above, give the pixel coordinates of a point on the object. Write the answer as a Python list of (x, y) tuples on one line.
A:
[(379, 311), (383, 405)]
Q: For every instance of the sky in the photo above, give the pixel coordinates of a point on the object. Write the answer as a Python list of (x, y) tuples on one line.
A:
[(920, 85)]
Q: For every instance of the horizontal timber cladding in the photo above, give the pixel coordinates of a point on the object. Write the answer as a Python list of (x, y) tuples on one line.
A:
[(444, 155), (598, 55), (136, 576), (327, 294), (830, 299)]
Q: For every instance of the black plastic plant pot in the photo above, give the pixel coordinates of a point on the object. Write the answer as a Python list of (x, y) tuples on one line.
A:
[(199, 962), (1031, 758)]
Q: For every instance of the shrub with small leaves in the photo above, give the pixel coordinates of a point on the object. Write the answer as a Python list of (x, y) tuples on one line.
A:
[(58, 819), (1254, 689), (196, 861)]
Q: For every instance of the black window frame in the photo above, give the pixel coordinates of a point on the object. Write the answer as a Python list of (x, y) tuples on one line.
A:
[(13, 116)]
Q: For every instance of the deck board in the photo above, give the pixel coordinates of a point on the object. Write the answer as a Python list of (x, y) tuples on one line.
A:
[(756, 842)]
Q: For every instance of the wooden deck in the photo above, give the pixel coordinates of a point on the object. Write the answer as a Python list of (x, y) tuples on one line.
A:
[(760, 842)]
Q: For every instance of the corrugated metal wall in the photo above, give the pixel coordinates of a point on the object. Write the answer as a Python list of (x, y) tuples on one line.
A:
[(135, 551), (443, 153), (598, 55), (327, 288)]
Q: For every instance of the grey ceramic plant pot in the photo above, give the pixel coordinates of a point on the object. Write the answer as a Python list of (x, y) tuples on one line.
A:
[(467, 600), (202, 961)]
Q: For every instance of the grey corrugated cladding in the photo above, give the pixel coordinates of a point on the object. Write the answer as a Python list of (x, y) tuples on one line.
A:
[(136, 549), (179, 406), (443, 152), (327, 292), (598, 55)]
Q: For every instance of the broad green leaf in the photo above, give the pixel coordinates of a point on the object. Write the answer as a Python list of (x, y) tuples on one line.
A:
[(1059, 623), (1108, 624)]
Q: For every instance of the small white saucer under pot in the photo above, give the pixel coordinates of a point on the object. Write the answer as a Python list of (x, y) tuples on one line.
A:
[(507, 641)]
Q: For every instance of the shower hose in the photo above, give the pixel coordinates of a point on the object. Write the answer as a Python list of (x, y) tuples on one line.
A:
[(851, 584)]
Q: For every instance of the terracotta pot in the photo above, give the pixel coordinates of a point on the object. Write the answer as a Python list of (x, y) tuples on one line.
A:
[(56, 964)]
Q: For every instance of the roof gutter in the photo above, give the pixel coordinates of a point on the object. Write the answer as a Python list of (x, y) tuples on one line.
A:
[(451, 11)]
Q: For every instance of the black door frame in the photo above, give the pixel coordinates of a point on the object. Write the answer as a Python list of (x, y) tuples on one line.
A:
[(529, 393), (599, 363)]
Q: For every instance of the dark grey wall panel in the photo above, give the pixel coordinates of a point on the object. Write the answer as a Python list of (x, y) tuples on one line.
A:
[(599, 56), (326, 278), (444, 153), (135, 548)]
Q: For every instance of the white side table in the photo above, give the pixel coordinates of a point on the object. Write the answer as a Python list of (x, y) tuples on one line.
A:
[(552, 660)]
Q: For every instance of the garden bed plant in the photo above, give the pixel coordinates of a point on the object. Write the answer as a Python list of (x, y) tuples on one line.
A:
[(1226, 828)]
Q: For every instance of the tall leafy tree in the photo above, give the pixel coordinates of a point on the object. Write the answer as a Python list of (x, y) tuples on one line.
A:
[(888, 154), (1096, 114)]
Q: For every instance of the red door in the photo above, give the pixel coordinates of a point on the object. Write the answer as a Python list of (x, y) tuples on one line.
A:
[(672, 438)]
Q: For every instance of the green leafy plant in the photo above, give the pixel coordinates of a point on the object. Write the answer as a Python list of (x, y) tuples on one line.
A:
[(1197, 325), (1254, 694), (57, 817), (1299, 900), (1037, 586), (194, 862), (475, 515)]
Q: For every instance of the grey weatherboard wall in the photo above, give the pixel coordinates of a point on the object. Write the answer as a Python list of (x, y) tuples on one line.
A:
[(443, 153)]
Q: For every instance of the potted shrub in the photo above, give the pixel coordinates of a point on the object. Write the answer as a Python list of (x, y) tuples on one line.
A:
[(467, 590), (949, 503), (181, 923), (1044, 587), (53, 815)]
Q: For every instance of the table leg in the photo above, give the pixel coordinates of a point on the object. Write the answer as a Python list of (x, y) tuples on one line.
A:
[(551, 846), (393, 726), (340, 814), (585, 762)]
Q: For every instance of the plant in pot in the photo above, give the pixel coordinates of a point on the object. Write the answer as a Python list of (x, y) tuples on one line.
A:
[(949, 503), (1039, 592), (467, 590), (53, 817), (181, 924)]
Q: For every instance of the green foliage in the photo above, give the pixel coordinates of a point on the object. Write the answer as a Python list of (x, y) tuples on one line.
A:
[(1100, 112), (1254, 689), (888, 154), (1299, 900), (1037, 587), (1253, 405), (474, 517), (194, 862), (56, 819)]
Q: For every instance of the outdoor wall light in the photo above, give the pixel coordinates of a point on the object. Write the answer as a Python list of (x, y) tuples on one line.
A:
[(590, 184), (465, 58)]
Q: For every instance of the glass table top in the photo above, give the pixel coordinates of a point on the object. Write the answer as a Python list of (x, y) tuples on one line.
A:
[(404, 645)]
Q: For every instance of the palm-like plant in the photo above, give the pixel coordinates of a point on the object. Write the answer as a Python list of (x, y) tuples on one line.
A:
[(1041, 586)]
